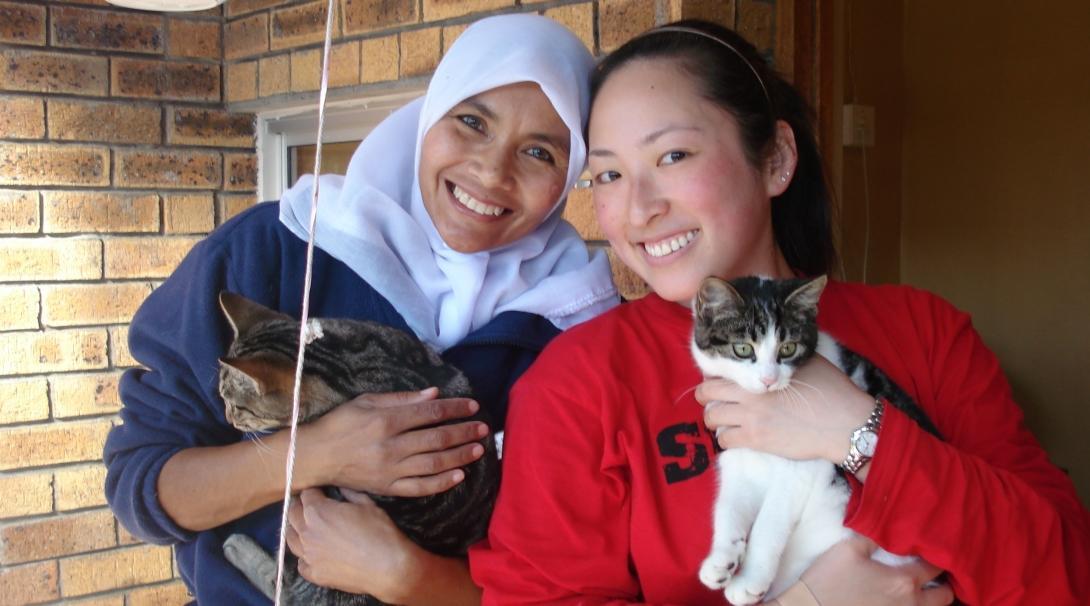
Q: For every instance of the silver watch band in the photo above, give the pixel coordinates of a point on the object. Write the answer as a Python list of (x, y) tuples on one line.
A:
[(856, 458)]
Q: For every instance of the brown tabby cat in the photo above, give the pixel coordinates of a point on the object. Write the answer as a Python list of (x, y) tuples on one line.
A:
[(344, 358)]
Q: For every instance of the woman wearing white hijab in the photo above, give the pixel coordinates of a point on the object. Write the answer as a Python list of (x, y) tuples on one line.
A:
[(447, 224)]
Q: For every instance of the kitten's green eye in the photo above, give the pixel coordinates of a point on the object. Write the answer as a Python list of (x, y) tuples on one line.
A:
[(788, 349), (743, 350)]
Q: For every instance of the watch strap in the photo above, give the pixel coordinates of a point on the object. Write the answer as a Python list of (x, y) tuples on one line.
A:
[(855, 459)]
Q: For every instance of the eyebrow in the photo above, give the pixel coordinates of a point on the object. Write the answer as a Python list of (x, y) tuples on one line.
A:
[(646, 140)]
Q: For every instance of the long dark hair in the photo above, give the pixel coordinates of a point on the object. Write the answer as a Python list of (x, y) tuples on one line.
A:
[(741, 82)]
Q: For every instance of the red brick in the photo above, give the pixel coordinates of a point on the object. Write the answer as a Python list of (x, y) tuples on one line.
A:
[(104, 122), (451, 33), (419, 52), (344, 64), (49, 259), (306, 70), (43, 72), (22, 24), (620, 20), (188, 213), (274, 75), (19, 213), (52, 351), (25, 494), (630, 284), (716, 11), (445, 9), (21, 117), (82, 211), (246, 37), (115, 569), (46, 164), (56, 536), (241, 7), (106, 30), (300, 25), (120, 356), (174, 80), (580, 213), (241, 81), (233, 204), (212, 127), (80, 486), (379, 59), (239, 172), (171, 594), (368, 15), (52, 444), (151, 257), (19, 308), (91, 304), (168, 169), (29, 584), (101, 600), (79, 395), (23, 400), (579, 18), (198, 39)]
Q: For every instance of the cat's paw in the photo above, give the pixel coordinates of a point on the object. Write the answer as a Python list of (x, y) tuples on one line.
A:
[(742, 591), (721, 565)]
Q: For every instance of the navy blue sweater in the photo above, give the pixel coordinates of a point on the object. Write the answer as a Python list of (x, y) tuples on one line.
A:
[(179, 333)]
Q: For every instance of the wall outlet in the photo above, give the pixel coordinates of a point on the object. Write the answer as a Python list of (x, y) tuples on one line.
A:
[(858, 125)]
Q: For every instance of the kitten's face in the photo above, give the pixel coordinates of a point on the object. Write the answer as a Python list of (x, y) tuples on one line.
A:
[(257, 392), (755, 331), (258, 374)]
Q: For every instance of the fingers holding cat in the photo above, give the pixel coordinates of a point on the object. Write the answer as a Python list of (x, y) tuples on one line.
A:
[(336, 543), (810, 419), (376, 443), (846, 571)]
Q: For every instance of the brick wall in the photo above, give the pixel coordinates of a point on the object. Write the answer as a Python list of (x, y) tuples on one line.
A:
[(124, 138)]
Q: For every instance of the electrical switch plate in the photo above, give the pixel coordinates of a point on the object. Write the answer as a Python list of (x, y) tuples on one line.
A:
[(858, 125)]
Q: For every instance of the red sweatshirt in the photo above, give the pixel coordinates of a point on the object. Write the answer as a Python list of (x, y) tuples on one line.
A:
[(609, 475)]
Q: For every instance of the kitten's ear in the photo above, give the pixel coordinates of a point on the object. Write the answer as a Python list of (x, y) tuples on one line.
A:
[(243, 313), (267, 376), (715, 293), (808, 294)]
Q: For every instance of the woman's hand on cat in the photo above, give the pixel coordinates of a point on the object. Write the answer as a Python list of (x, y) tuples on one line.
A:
[(374, 443), (846, 575), (811, 419), (352, 546)]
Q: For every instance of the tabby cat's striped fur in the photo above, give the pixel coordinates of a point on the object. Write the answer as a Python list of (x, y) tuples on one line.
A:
[(346, 358)]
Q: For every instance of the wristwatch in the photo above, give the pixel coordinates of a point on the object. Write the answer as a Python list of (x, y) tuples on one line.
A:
[(864, 440)]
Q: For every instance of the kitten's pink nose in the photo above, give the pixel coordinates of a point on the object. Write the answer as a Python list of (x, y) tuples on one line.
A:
[(768, 381)]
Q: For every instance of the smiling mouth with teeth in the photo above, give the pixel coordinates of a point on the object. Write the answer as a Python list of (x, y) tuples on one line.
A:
[(475, 205), (670, 245)]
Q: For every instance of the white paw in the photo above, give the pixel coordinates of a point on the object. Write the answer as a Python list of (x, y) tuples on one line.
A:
[(721, 565), (742, 591)]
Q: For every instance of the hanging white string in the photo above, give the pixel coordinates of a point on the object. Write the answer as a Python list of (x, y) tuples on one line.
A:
[(303, 318)]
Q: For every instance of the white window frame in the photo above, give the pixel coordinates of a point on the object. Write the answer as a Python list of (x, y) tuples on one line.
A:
[(283, 127)]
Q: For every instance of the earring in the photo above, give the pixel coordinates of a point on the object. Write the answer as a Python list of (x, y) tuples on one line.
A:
[(783, 177)]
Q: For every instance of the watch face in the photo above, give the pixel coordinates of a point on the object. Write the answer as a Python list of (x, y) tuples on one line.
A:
[(866, 442)]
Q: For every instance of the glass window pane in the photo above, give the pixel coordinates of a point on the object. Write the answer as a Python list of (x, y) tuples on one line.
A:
[(335, 157)]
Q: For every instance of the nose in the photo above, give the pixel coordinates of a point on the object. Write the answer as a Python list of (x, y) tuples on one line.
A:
[(645, 201), (492, 166), (768, 380)]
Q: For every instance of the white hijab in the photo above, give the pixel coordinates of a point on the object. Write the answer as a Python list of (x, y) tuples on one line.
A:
[(373, 219)]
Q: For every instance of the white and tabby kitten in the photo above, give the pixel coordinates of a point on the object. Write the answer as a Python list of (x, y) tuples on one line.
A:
[(774, 516)]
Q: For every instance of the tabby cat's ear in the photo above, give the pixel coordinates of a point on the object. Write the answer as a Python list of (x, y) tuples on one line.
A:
[(715, 293), (242, 313), (808, 294), (267, 376)]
